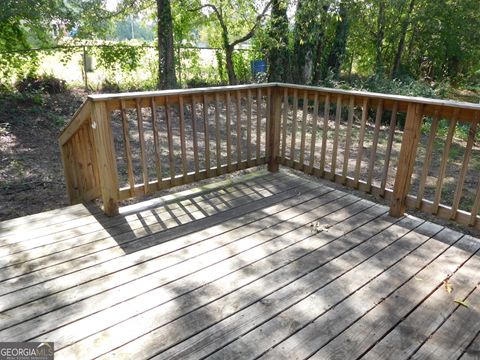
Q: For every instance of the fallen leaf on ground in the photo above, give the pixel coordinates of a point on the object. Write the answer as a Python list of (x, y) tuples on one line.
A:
[(461, 302), (448, 287)]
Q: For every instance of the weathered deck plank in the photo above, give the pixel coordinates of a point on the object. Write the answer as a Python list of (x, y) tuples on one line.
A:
[(274, 266)]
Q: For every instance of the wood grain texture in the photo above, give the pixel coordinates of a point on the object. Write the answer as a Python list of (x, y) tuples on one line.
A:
[(107, 162), (361, 139), (406, 161), (388, 151)]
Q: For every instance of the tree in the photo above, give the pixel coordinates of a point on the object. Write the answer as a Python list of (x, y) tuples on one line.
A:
[(277, 43), (338, 50), (166, 52), (401, 43), (310, 18), (239, 17)]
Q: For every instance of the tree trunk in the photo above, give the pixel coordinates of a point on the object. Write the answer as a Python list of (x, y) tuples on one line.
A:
[(308, 30), (166, 55), (401, 43), (232, 77), (337, 54), (279, 64), (379, 38)]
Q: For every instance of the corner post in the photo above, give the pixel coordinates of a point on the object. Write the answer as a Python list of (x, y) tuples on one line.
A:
[(406, 160), (274, 128), (106, 159)]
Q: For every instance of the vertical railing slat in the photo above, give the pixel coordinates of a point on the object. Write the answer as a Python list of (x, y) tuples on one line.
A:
[(268, 121), (239, 127), (284, 123), (388, 151), (326, 116), (229, 132), (249, 127), (293, 139), (218, 145), (206, 135), (259, 124), (338, 116), (141, 139), (127, 148), (156, 143), (195, 136), (348, 140), (181, 113), (373, 151), (427, 160), (304, 128), (313, 140), (443, 164), (171, 154), (361, 139), (466, 159)]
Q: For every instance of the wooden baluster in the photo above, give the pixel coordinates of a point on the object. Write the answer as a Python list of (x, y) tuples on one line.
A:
[(406, 161), (475, 207), (373, 151), (239, 129), (65, 151), (229, 133), (326, 116), (285, 119), (141, 138), (268, 122), (338, 116), (443, 164), (427, 160), (218, 145), (127, 148), (274, 129), (249, 127), (259, 123), (361, 139), (388, 152), (348, 140), (206, 134), (195, 137), (313, 140), (156, 143), (171, 154), (181, 110), (294, 127), (106, 159), (466, 159), (304, 129)]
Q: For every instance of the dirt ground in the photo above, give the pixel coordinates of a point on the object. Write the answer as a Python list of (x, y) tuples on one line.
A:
[(31, 172)]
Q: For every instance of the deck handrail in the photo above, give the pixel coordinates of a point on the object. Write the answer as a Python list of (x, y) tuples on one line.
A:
[(206, 132)]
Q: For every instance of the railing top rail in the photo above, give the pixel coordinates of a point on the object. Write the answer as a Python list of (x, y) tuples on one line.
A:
[(148, 94), (401, 98), (82, 114)]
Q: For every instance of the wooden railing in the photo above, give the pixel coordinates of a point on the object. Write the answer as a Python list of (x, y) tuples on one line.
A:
[(127, 145)]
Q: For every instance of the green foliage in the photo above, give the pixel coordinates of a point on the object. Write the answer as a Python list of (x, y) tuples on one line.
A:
[(119, 56)]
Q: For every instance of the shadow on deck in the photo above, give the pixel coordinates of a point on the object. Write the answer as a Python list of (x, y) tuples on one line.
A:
[(270, 265)]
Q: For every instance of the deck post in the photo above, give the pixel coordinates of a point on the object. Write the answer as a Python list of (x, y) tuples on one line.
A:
[(406, 161), (106, 159), (274, 128)]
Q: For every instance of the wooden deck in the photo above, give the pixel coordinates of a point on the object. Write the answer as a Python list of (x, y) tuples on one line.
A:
[(268, 266)]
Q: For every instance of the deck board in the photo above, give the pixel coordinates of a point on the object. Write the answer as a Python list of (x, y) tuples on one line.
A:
[(271, 265)]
